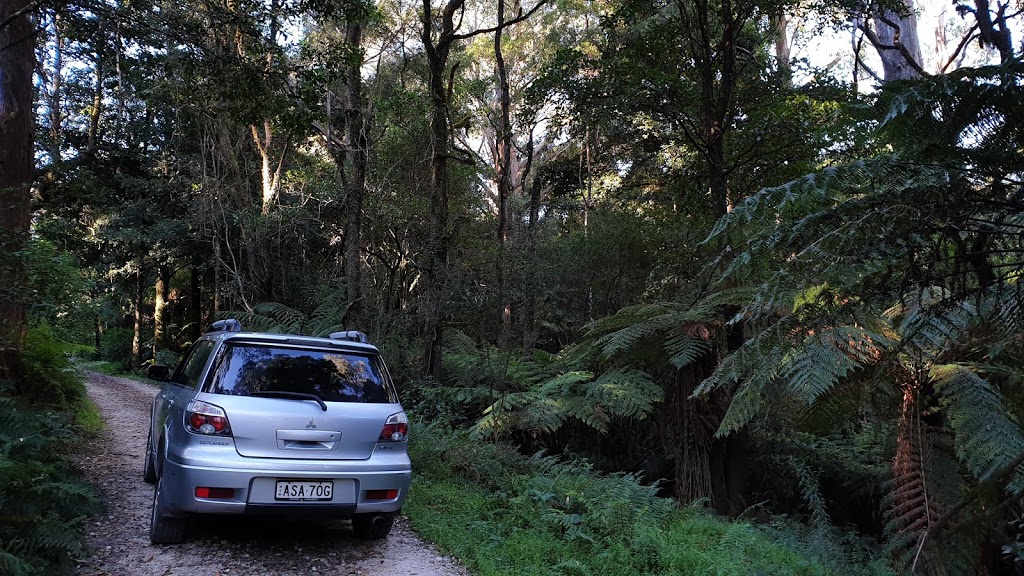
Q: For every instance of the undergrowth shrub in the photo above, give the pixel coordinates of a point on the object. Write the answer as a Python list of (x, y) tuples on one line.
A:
[(43, 500), (505, 513), (50, 378), (116, 346)]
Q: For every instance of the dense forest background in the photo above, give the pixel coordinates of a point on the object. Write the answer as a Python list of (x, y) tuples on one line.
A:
[(767, 252)]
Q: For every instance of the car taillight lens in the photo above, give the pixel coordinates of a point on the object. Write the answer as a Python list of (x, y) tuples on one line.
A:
[(207, 419), (381, 494), (396, 428)]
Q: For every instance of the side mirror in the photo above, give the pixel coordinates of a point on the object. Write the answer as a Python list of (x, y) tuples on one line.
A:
[(158, 372)]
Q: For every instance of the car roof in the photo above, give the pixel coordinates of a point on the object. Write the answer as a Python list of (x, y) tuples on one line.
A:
[(291, 340)]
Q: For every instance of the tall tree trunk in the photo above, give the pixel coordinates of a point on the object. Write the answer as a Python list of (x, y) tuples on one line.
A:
[(163, 281), (895, 39), (502, 168), (140, 286), (707, 466), (270, 174), (783, 47), (530, 305), (358, 153), (437, 249), (97, 93), (17, 62), (438, 49), (56, 92), (994, 31)]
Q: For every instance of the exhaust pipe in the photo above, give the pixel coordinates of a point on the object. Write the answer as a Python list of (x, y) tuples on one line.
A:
[(379, 523)]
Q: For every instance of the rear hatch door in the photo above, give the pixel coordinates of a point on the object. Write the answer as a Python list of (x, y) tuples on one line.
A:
[(292, 402)]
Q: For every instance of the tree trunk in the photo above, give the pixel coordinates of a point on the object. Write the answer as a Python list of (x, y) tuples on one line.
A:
[(783, 49), (437, 249), (56, 92), (17, 62), (137, 333), (530, 306), (502, 168), (195, 300), (896, 41), (97, 95), (435, 274), (994, 31), (163, 281), (358, 154)]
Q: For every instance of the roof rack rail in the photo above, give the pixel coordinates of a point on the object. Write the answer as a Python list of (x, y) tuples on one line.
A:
[(228, 325), (350, 335)]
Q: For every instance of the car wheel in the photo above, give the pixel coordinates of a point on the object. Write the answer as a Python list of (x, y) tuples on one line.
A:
[(164, 529), (372, 527), (148, 467)]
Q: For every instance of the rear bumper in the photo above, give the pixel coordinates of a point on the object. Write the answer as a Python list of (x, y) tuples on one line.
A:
[(253, 481)]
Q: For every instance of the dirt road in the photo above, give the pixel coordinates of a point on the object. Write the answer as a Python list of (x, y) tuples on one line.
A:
[(119, 541)]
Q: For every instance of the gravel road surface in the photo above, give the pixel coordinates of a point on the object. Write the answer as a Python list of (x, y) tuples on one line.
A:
[(217, 546)]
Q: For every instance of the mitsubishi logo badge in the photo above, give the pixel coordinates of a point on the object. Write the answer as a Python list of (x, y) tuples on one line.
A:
[(312, 424)]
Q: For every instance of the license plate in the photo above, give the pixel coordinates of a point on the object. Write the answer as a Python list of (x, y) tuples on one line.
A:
[(304, 490)]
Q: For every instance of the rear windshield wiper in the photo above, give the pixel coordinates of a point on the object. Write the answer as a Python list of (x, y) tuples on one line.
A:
[(296, 395)]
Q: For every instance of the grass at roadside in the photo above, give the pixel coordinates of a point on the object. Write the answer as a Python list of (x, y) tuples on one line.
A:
[(502, 513)]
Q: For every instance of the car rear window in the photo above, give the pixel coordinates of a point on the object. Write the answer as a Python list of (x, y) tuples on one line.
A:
[(334, 376)]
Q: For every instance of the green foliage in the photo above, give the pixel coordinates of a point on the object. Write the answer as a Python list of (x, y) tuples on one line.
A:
[(58, 290), (43, 501), (917, 321), (116, 346), (535, 395), (326, 317), (50, 378), (503, 513)]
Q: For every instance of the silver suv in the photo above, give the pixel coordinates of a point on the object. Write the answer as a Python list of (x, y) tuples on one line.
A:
[(255, 423)]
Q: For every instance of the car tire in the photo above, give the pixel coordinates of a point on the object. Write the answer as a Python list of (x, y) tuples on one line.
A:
[(371, 527), (149, 466), (164, 529)]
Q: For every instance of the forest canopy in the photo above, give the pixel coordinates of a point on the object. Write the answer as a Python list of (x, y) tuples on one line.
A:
[(766, 252)]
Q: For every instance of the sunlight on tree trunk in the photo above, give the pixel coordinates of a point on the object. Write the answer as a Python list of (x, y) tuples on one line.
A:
[(161, 289), (139, 300)]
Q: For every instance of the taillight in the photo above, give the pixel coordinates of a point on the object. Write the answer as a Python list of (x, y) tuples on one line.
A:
[(381, 494), (396, 428), (207, 419), (215, 493)]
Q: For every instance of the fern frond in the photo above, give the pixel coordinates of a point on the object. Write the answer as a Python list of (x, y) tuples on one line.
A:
[(743, 408), (987, 440), (565, 384), (501, 416), (827, 357), (254, 322), (684, 349), (627, 393), (327, 316), (290, 319), (810, 491), (587, 411)]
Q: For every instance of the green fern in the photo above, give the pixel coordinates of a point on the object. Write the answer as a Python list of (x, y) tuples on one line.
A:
[(987, 439), (276, 317)]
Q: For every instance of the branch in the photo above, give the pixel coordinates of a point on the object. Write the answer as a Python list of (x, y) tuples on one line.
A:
[(328, 134), (967, 38), (515, 20), (857, 63), (28, 8)]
